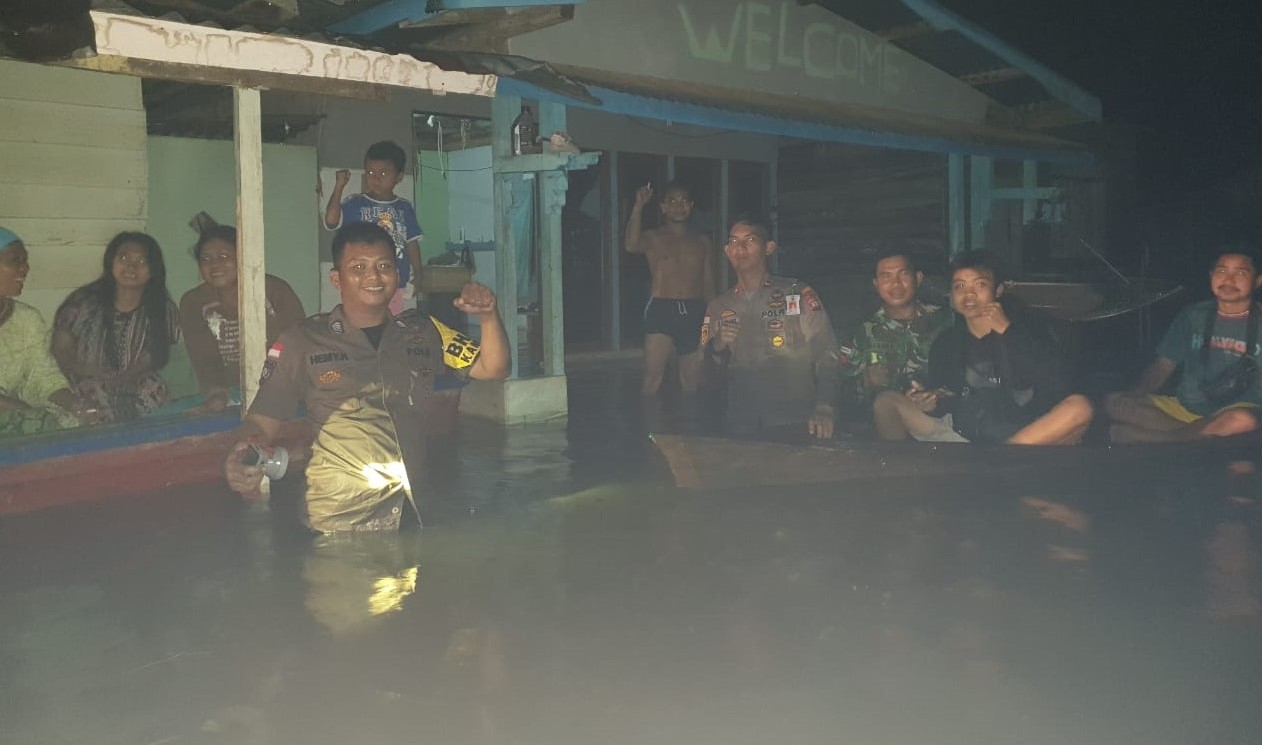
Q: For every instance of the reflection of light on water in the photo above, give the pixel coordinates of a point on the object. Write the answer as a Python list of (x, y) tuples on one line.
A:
[(385, 475), (388, 592)]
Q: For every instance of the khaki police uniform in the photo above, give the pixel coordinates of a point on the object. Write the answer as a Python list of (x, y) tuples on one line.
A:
[(366, 407), (783, 363)]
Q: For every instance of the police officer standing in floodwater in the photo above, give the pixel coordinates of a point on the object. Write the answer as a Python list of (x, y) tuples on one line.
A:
[(775, 341), (363, 376)]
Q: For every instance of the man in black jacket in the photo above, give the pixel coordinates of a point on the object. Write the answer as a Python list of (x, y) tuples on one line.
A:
[(990, 379)]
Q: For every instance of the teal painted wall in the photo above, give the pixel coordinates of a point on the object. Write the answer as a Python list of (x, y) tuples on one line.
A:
[(187, 176), (432, 202)]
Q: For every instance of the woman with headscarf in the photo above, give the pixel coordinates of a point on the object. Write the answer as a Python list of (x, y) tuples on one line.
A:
[(34, 395), (112, 336), (208, 316)]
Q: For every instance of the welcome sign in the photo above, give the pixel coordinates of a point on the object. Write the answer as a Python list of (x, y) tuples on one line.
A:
[(776, 47)]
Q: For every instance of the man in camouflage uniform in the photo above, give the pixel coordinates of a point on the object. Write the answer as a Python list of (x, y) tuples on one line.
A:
[(363, 375), (773, 337), (891, 348)]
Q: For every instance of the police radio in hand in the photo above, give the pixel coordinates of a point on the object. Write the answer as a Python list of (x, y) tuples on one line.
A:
[(274, 460)]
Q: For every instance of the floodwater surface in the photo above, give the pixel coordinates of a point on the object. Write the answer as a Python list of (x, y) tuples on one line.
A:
[(563, 592)]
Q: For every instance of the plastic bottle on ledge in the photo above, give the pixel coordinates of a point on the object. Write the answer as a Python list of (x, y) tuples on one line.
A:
[(526, 133)]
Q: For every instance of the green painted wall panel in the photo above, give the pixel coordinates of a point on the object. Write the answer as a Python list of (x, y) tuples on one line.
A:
[(432, 203)]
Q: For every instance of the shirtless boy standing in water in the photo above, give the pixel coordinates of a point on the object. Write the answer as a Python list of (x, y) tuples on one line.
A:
[(683, 270)]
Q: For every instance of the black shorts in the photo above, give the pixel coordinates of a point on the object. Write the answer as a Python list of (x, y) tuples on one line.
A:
[(679, 319)]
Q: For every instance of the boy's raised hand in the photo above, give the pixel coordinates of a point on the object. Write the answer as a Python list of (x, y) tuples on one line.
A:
[(342, 178), (643, 195)]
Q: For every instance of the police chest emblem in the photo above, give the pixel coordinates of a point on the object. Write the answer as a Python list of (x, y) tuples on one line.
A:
[(330, 377), (775, 325), (337, 327), (728, 314), (777, 341), (777, 294)]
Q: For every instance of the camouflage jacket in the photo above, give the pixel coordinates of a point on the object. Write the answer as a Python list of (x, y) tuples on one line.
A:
[(901, 346)]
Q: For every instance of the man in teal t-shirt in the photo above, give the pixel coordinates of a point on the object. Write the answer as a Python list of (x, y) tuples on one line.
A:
[(1208, 340)]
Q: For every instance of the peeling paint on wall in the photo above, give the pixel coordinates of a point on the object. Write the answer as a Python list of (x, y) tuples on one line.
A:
[(179, 43)]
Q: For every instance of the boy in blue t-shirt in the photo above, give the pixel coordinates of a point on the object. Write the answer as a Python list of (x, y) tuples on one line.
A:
[(383, 170)]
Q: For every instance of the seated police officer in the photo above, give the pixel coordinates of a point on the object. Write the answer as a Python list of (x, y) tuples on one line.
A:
[(363, 376)]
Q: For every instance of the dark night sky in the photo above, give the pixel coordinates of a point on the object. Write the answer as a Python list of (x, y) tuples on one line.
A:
[(1186, 75)]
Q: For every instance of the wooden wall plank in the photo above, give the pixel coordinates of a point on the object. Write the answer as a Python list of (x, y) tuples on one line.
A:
[(41, 231), (61, 165), (30, 82), (64, 268), (46, 122), (90, 202)]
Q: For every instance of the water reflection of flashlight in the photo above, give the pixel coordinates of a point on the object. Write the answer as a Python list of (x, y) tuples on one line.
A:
[(274, 460)]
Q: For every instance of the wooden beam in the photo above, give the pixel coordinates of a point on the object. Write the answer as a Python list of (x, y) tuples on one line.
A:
[(455, 18), (909, 31), (251, 296), (991, 77), (1046, 115), (153, 47), (150, 69), (494, 35)]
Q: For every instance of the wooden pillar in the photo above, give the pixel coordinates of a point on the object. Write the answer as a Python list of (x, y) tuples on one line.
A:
[(504, 109), (1029, 182), (773, 204), (251, 295), (957, 221), (552, 191), (614, 275), (981, 177), (725, 216)]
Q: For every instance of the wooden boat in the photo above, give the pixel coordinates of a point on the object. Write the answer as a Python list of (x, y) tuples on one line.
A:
[(698, 462), (130, 459)]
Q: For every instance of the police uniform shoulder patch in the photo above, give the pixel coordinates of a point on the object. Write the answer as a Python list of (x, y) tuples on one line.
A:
[(337, 327)]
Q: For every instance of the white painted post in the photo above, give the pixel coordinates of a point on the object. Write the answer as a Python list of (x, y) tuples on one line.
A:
[(251, 294), (615, 256)]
